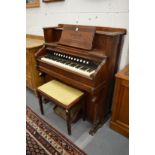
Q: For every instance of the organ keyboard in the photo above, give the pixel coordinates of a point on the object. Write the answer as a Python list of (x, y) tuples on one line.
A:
[(85, 57), (76, 64)]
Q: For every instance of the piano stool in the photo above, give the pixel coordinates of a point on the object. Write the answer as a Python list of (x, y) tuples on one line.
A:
[(63, 96)]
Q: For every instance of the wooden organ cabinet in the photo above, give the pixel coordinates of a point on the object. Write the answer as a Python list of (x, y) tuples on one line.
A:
[(87, 58), (33, 43), (120, 110)]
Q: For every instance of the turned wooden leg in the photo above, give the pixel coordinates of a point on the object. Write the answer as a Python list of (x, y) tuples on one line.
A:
[(84, 110), (68, 121), (40, 103)]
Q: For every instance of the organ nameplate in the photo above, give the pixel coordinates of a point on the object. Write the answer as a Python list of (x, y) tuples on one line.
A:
[(78, 36)]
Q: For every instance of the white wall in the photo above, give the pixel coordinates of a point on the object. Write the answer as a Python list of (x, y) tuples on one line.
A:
[(112, 13)]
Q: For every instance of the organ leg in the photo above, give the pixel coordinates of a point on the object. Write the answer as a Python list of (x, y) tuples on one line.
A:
[(100, 113)]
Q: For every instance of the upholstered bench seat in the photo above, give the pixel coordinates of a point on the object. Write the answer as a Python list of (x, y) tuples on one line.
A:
[(62, 95), (61, 92)]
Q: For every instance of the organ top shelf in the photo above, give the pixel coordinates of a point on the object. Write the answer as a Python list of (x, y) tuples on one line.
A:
[(109, 31)]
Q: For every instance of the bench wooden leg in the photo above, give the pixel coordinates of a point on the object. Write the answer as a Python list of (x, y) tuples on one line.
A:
[(84, 110), (40, 104), (68, 121)]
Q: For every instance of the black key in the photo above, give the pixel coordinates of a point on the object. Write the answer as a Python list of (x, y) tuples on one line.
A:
[(63, 61), (90, 69), (58, 60), (54, 58), (78, 66), (72, 64), (68, 62), (84, 68)]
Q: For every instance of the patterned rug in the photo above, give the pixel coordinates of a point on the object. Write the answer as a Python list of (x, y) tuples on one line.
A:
[(43, 139)]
